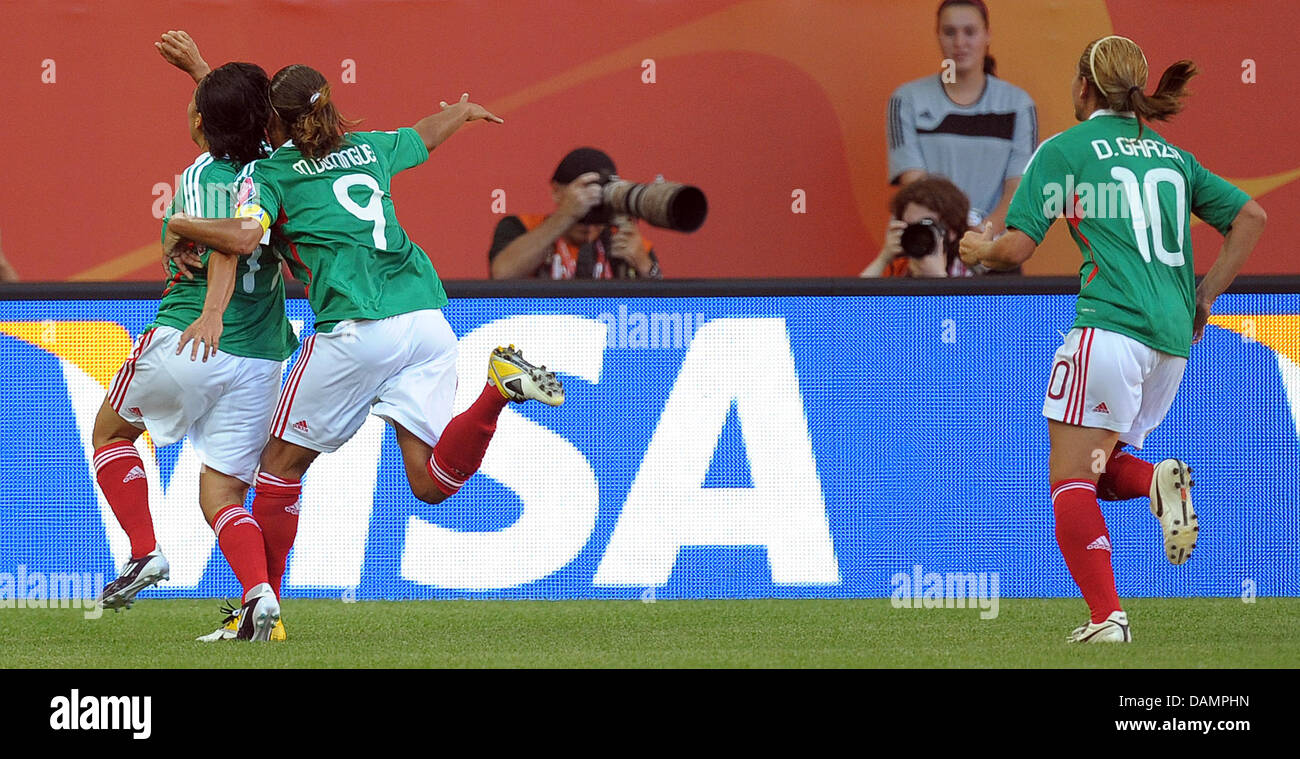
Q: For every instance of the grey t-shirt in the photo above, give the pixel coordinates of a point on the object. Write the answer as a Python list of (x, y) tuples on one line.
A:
[(977, 147)]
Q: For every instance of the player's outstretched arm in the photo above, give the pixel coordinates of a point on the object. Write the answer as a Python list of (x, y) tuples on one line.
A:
[(206, 329), (1237, 245), (179, 50), (238, 236), (436, 128)]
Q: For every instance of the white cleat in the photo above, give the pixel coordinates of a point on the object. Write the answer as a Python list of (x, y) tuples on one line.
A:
[(1114, 630), (136, 575), (229, 626), (259, 615), (1171, 502), (229, 629), (519, 381)]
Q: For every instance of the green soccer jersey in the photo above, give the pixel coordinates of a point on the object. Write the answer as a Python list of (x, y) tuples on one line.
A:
[(344, 239), (254, 325), (1128, 202)]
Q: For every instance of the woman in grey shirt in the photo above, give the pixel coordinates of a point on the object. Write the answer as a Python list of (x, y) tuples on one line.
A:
[(964, 123)]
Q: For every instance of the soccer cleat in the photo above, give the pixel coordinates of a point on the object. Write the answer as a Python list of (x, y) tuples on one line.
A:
[(1114, 630), (1171, 503), (520, 381), (136, 575), (259, 615), (229, 628)]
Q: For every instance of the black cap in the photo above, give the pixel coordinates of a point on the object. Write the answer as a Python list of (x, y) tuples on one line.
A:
[(579, 162)]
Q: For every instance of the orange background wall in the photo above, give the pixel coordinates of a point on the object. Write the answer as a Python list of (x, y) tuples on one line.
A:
[(753, 100)]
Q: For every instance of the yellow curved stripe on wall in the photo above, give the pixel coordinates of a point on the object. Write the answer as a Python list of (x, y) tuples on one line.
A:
[(96, 348), (1280, 332)]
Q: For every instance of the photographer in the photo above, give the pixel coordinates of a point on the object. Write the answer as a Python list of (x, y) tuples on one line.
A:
[(929, 218), (563, 245)]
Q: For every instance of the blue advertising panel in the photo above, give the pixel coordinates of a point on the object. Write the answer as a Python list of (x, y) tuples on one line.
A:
[(721, 447)]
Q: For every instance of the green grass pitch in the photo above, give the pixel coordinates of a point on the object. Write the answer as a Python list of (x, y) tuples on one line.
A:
[(1177, 633)]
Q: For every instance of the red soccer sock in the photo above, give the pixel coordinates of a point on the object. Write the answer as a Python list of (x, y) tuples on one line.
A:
[(120, 474), (1085, 544), (240, 538), (1126, 476), (275, 506), (459, 451)]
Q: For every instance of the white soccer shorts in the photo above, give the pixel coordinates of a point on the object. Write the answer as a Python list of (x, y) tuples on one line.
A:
[(1111, 381), (224, 404), (402, 369)]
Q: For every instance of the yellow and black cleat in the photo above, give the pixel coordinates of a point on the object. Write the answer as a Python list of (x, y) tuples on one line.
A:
[(519, 381), (229, 628)]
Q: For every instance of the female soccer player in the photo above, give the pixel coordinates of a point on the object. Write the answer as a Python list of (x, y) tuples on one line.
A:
[(1138, 311), (964, 123), (224, 403), (382, 344)]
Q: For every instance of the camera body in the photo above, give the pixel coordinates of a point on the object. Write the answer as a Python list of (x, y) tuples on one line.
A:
[(923, 238), (668, 205)]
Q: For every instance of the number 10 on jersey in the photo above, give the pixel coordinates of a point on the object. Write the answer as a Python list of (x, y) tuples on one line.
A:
[(1147, 216)]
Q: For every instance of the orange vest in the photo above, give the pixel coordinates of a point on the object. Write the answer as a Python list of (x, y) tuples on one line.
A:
[(562, 262)]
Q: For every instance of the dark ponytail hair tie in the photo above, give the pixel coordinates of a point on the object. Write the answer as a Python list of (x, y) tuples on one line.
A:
[(1134, 87)]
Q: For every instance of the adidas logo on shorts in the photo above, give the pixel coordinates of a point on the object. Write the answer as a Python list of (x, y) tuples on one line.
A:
[(136, 410), (1100, 544), (300, 425), (136, 473), (1100, 408)]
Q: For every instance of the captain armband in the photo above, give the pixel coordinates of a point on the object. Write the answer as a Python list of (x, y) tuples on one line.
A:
[(254, 211)]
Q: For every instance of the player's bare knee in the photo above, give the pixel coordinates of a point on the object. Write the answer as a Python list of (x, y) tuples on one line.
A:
[(99, 439), (220, 488), (428, 492), (286, 459), (110, 427)]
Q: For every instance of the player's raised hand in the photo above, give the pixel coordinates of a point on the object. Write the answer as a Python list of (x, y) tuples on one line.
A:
[(975, 245), (473, 111), (178, 49), (205, 330)]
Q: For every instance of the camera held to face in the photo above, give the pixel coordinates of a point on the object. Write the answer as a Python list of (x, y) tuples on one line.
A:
[(668, 205), (923, 238)]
